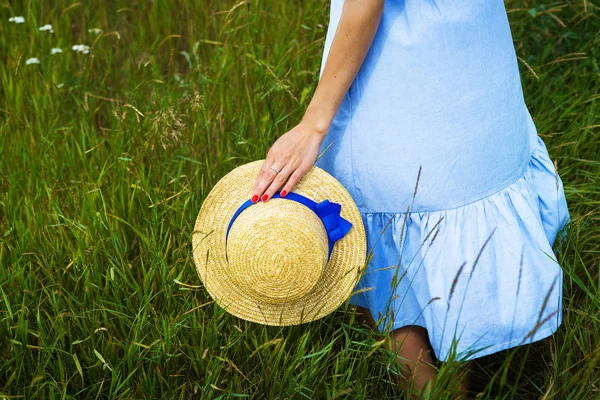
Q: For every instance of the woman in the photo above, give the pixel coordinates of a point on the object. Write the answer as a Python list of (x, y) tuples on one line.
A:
[(421, 110)]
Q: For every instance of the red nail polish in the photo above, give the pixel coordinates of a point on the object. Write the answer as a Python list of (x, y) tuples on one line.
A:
[(254, 198), (283, 193), (265, 197)]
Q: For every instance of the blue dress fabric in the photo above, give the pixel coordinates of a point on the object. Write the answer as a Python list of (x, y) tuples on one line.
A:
[(466, 254)]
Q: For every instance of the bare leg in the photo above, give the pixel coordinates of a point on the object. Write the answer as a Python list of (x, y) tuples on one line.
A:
[(414, 342), (411, 345)]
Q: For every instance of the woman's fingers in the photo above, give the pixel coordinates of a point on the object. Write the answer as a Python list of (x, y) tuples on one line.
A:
[(277, 182), (264, 179), (269, 181), (294, 178)]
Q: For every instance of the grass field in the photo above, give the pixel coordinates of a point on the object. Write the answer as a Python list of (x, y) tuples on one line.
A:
[(106, 156)]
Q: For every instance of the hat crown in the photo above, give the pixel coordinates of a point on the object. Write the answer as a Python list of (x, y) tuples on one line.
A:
[(277, 251)]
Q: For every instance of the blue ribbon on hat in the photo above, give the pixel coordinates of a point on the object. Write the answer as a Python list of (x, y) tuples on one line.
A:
[(328, 211)]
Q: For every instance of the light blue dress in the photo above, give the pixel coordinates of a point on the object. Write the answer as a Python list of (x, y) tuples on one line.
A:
[(469, 257)]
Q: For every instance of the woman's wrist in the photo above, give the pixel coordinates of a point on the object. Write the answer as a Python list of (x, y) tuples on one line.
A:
[(317, 120)]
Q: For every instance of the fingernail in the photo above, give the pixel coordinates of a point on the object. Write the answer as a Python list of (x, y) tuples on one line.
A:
[(254, 198), (283, 193), (265, 197)]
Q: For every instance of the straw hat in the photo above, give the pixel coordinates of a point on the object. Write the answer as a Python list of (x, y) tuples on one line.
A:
[(278, 264)]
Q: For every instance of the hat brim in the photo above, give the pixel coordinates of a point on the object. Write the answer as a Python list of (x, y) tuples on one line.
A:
[(339, 278)]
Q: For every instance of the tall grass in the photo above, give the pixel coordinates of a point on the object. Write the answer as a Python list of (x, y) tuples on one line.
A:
[(106, 157)]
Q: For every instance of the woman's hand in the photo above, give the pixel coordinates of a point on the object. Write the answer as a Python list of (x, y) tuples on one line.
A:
[(293, 154)]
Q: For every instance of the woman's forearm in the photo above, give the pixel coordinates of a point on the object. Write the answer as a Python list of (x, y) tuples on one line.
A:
[(353, 37)]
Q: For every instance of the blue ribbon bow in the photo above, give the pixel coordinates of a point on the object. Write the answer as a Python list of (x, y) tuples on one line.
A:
[(328, 211), (335, 225)]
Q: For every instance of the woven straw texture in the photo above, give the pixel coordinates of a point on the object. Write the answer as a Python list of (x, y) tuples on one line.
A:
[(276, 271)]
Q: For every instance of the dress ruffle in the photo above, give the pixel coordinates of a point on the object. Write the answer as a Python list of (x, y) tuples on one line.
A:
[(484, 273)]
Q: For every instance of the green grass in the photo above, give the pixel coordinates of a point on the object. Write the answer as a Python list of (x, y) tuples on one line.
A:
[(106, 157)]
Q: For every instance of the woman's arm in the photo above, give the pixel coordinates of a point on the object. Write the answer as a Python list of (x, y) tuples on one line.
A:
[(351, 42), (296, 151)]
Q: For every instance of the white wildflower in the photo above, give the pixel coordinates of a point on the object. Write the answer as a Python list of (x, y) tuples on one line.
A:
[(32, 60), (47, 27), (60, 85), (55, 50), (16, 20), (95, 31), (82, 48)]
